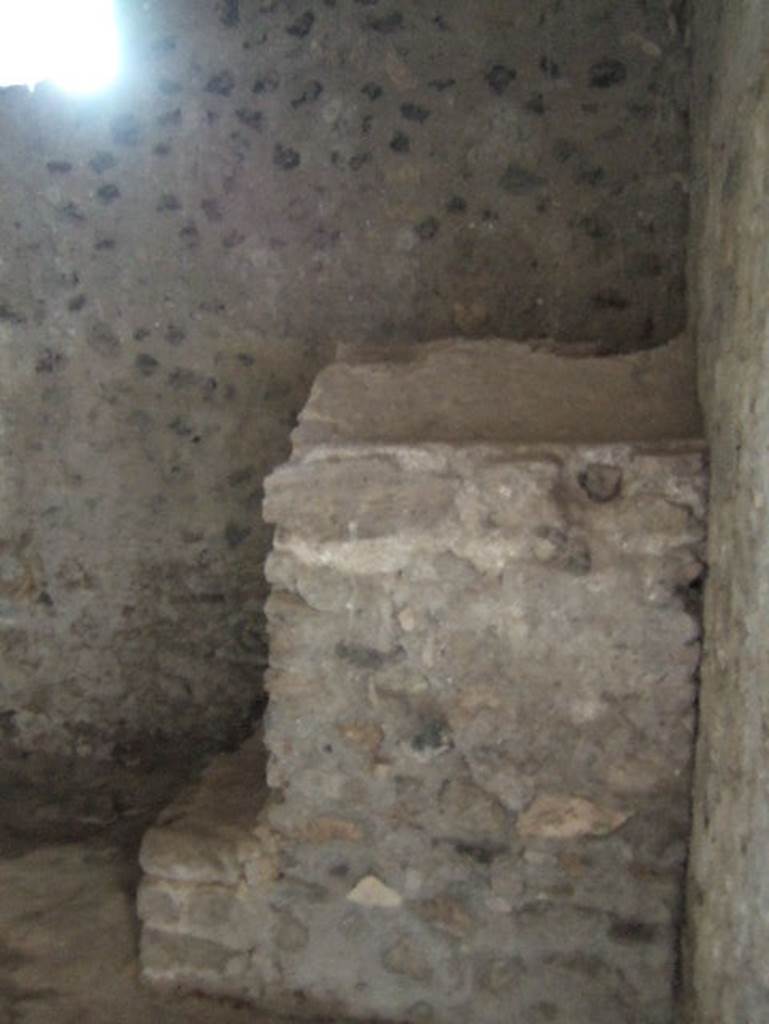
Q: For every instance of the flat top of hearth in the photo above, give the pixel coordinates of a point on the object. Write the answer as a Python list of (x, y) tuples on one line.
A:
[(460, 391)]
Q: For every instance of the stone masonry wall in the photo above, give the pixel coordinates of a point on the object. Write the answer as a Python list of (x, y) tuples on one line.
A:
[(482, 681), (180, 255), (728, 950)]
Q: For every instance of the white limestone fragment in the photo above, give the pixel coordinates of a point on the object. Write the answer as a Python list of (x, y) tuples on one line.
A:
[(553, 816), (370, 892)]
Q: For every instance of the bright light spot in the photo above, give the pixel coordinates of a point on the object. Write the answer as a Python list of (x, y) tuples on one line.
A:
[(71, 43)]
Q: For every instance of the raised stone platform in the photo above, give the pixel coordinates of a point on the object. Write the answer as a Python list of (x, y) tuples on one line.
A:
[(481, 705)]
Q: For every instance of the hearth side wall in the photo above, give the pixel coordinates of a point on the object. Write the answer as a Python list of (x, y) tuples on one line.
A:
[(728, 943), (180, 255)]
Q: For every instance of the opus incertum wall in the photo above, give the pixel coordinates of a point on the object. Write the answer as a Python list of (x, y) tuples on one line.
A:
[(483, 646), (180, 254)]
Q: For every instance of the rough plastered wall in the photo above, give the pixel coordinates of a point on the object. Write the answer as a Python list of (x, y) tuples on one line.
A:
[(728, 957), (180, 255)]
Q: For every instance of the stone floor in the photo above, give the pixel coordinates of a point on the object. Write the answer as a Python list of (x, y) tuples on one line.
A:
[(68, 929)]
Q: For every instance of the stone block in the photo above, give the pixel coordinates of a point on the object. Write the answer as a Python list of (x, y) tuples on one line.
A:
[(483, 662)]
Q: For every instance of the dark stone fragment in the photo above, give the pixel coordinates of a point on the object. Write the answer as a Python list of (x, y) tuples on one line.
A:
[(577, 557), (366, 657), (126, 130), (175, 335), (564, 149), (457, 204), (692, 595), (367, 124), (169, 87), (102, 339), (212, 210), (400, 143), (311, 93), (387, 24), (285, 157), (632, 931), (433, 735), (104, 244), (606, 73), (441, 84), (162, 149), (267, 83), (59, 166), (221, 84), (250, 635), (45, 599), (168, 203), (250, 118), (499, 78), (233, 239), (535, 103), (229, 13), (595, 227), (146, 364), (241, 476), (427, 229), (246, 359), (141, 333), (358, 160), (609, 298), (171, 117), (413, 112), (108, 193), (519, 180), (440, 22), (592, 176), (102, 161), (235, 534), (372, 90), (549, 68), (181, 427), (189, 234), (480, 854), (76, 303), (71, 211), (601, 482), (10, 316), (49, 361), (302, 26)]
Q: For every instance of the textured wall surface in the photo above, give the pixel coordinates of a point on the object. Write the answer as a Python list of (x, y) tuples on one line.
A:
[(180, 255), (480, 730), (729, 888)]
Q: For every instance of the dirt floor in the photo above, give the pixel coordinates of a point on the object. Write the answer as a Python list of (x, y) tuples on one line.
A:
[(68, 929)]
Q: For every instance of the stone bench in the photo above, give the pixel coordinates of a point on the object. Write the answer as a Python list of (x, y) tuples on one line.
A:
[(484, 645)]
